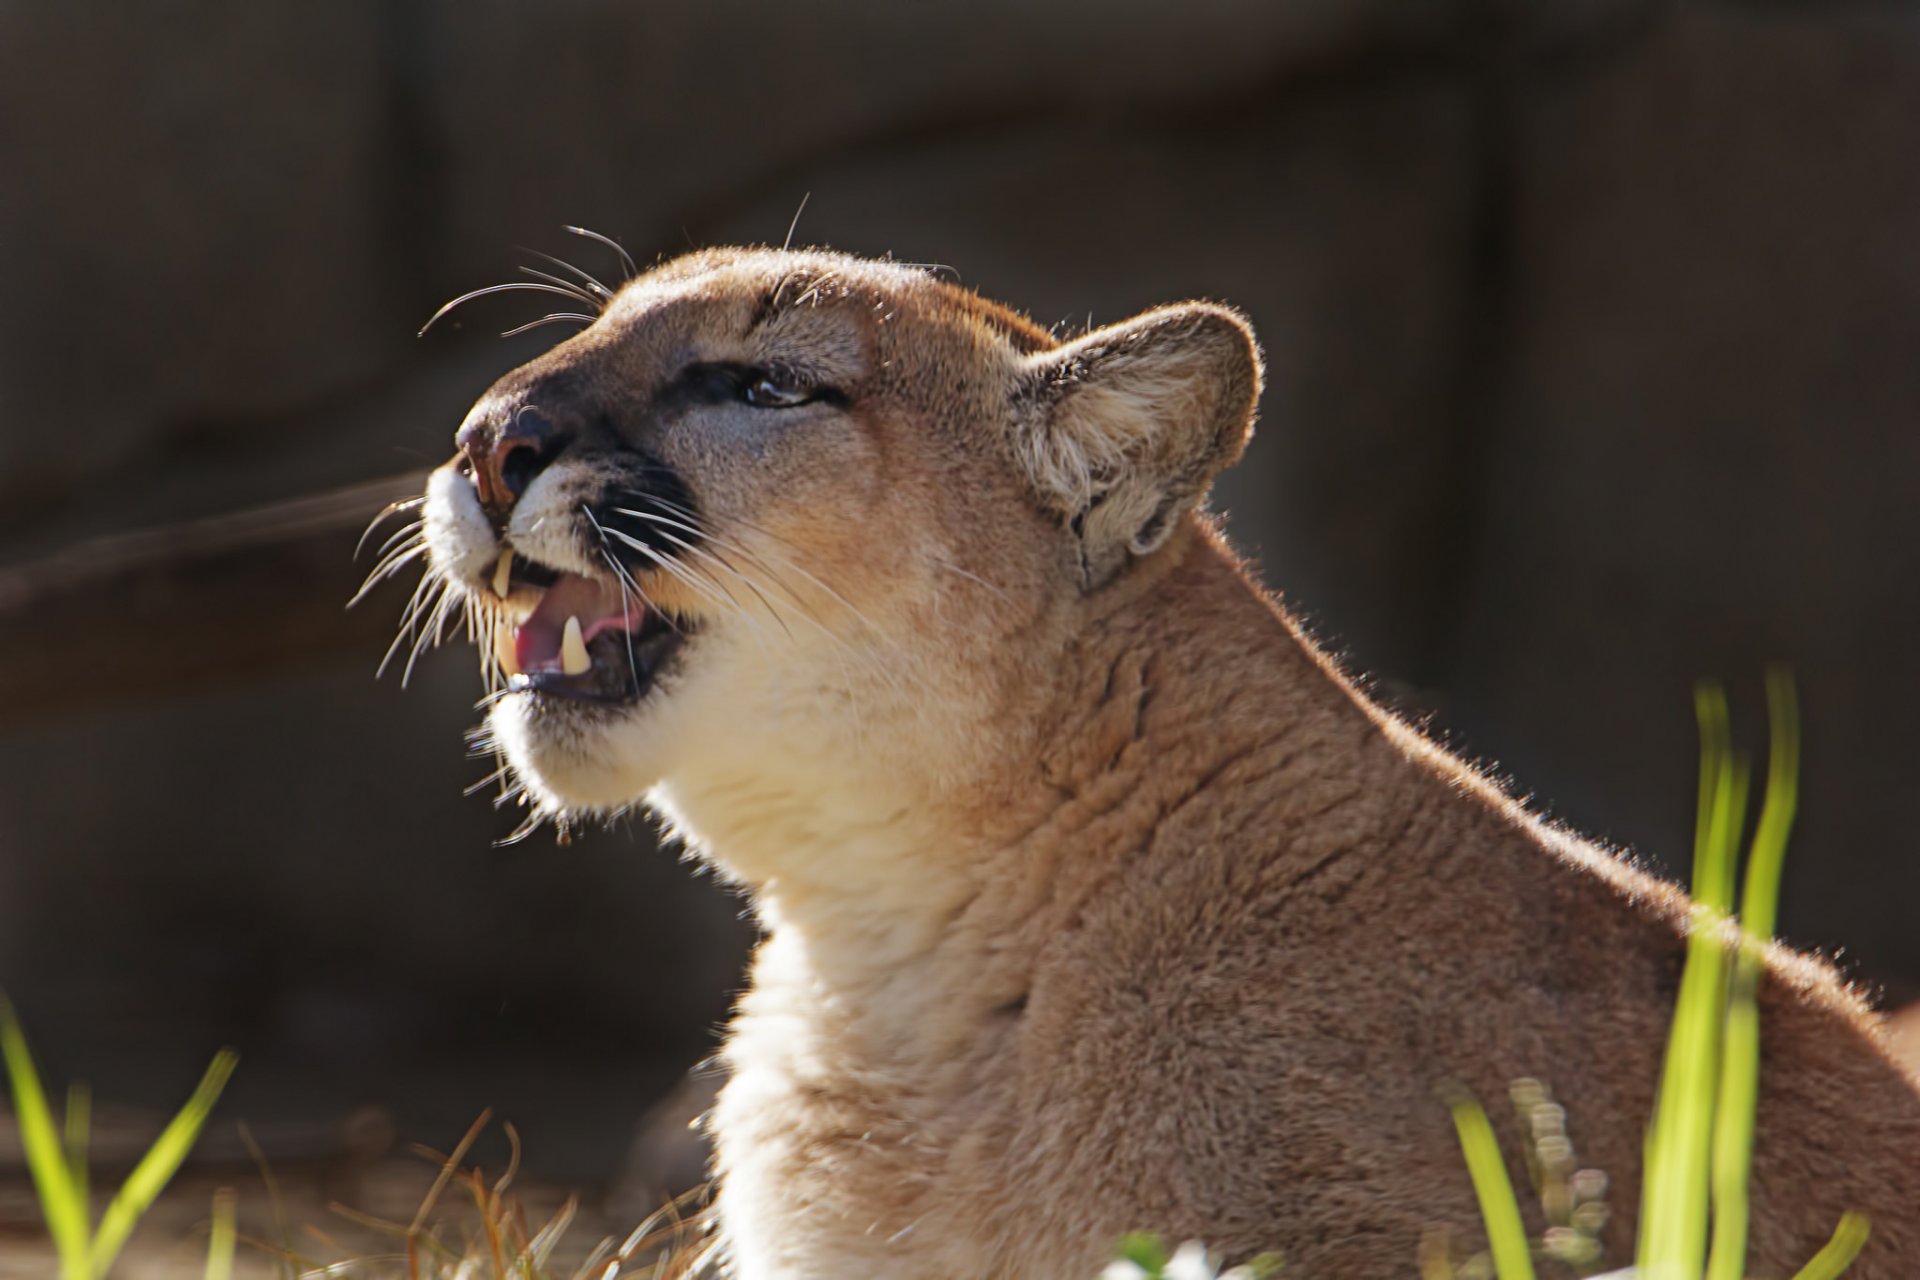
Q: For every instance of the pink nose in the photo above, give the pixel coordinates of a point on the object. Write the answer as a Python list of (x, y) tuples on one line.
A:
[(504, 452)]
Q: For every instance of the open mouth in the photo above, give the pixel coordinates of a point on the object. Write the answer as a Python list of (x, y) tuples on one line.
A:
[(587, 639)]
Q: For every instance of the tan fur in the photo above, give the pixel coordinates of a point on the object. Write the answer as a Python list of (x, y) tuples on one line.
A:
[(1095, 899)]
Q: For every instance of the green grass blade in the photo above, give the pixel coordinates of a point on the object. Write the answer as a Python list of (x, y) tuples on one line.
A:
[(1848, 1239), (78, 1131), (1759, 903), (1506, 1235), (1675, 1197), (1733, 1123), (1723, 788), (1740, 1064), (151, 1175), (1674, 1205), (220, 1247), (61, 1201)]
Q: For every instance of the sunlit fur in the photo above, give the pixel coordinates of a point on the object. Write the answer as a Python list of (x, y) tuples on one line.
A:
[(1095, 898)]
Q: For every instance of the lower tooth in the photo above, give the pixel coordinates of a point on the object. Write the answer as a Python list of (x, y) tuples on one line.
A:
[(503, 574), (573, 650)]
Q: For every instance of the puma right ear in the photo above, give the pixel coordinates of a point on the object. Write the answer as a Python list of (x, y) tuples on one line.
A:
[(1123, 430)]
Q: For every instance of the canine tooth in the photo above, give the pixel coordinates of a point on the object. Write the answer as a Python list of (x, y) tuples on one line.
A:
[(503, 574), (573, 650)]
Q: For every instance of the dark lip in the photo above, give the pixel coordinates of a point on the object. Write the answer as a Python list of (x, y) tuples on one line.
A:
[(531, 573), (548, 684)]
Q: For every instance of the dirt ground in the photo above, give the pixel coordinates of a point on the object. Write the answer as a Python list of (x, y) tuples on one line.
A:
[(326, 1205)]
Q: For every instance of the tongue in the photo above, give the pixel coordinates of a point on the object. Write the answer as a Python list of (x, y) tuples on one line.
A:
[(598, 606)]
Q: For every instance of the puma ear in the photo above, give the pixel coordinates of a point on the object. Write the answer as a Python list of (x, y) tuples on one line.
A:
[(1122, 430)]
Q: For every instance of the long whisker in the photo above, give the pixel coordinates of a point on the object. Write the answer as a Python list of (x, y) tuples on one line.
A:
[(535, 819), (704, 554), (844, 648), (493, 777), (727, 565), (626, 582), (387, 568), (626, 259), (391, 509), (412, 535), (678, 570), (758, 562), (619, 570), (553, 317), (429, 583), (873, 628), (560, 282), (527, 286), (795, 224), (587, 278), (690, 526), (684, 545), (411, 527), (622, 578), (390, 561), (431, 633)]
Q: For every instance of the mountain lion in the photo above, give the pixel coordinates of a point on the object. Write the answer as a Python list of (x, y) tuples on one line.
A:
[(1095, 898)]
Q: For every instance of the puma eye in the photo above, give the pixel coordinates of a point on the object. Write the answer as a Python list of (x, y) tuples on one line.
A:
[(768, 391)]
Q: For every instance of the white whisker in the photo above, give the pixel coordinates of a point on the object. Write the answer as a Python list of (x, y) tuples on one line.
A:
[(391, 509), (586, 278), (391, 558), (527, 286), (489, 780), (795, 224), (681, 572), (415, 527), (626, 259), (432, 633), (552, 317), (623, 578), (409, 617), (704, 554), (558, 282)]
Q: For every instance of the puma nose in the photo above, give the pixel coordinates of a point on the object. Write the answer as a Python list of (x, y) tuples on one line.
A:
[(504, 451)]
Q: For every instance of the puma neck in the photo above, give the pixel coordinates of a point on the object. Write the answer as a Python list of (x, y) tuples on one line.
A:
[(899, 884)]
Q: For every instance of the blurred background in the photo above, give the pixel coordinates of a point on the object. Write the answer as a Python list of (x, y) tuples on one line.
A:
[(1593, 331)]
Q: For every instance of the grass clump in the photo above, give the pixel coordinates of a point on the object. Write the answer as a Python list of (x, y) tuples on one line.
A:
[(468, 1227), (1699, 1148), (56, 1153)]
